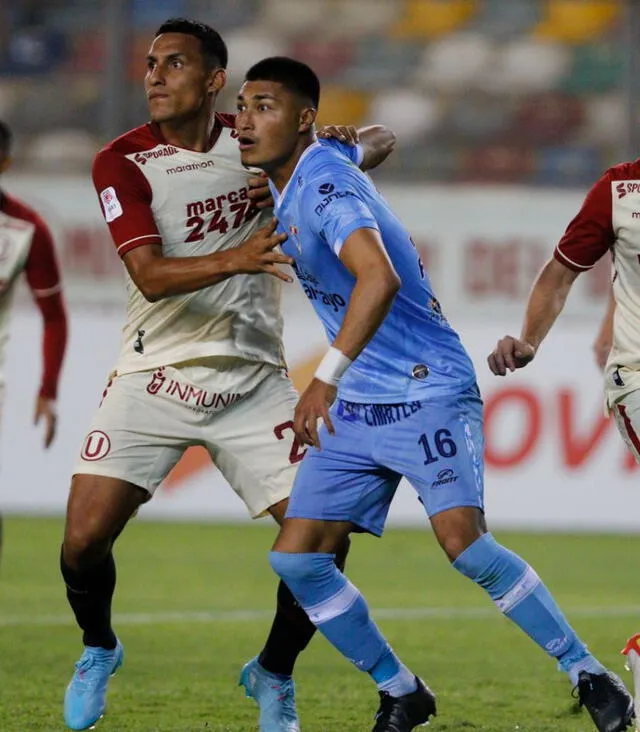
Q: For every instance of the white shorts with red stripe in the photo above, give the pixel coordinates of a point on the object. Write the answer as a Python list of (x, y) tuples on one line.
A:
[(627, 415)]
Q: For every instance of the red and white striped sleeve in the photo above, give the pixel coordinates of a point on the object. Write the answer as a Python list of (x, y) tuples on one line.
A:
[(590, 235), (125, 198)]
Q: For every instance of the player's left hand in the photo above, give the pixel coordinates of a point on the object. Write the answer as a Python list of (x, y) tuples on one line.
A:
[(314, 403), (344, 133), (46, 410), (259, 192)]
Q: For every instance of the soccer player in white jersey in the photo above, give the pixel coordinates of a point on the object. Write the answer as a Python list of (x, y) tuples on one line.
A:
[(201, 361), (609, 221), (26, 247)]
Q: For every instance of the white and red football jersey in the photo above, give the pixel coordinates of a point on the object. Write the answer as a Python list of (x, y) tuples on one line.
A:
[(192, 204), (609, 220), (26, 246)]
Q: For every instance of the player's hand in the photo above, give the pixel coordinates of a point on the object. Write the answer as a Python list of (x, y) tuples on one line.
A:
[(256, 255), (344, 133), (46, 410), (510, 353), (259, 192), (314, 403)]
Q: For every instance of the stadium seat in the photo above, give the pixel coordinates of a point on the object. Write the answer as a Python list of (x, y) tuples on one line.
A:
[(358, 18), (224, 16), (500, 20), (477, 117), (249, 45), (497, 163), (421, 163), (595, 68), (605, 120), (430, 18), (410, 114), (454, 62), (327, 57), (547, 119), (87, 53), (567, 166), (381, 62), (291, 17), (526, 65), (341, 105), (576, 21)]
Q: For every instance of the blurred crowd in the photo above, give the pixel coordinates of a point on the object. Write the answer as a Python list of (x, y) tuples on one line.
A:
[(517, 91)]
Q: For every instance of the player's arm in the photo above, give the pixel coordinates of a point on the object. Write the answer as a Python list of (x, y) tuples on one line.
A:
[(604, 339), (43, 278), (587, 238), (376, 285), (158, 277), (374, 143), (126, 198)]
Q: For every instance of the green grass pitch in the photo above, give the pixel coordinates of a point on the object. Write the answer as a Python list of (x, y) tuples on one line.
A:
[(194, 603)]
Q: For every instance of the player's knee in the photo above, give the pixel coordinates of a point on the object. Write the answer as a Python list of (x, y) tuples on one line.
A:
[(455, 544), (83, 545), (297, 568)]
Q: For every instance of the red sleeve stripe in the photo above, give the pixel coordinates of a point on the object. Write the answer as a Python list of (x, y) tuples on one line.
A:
[(570, 263), (48, 291), (135, 242)]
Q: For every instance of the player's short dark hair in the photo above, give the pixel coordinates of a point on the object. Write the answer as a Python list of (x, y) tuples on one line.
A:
[(5, 138), (214, 48), (293, 75)]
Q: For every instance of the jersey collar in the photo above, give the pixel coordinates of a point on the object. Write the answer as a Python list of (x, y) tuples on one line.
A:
[(279, 198)]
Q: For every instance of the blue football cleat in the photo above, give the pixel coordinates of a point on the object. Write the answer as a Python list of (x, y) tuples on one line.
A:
[(84, 700), (274, 695)]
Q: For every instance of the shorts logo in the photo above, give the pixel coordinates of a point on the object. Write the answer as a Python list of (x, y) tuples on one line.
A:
[(326, 188), (97, 445), (195, 398), (444, 477)]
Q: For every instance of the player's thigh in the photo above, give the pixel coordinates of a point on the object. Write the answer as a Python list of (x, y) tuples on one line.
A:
[(253, 444), (135, 437), (342, 482), (626, 413), (440, 450)]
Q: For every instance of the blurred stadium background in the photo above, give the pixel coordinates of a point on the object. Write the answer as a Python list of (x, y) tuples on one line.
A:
[(506, 112)]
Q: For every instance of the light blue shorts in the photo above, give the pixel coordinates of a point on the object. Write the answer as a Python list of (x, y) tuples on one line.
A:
[(437, 446)]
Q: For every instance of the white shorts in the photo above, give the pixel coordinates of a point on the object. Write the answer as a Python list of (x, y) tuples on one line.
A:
[(147, 420), (626, 412)]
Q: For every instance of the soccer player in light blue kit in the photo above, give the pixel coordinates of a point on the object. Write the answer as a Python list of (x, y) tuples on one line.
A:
[(407, 404)]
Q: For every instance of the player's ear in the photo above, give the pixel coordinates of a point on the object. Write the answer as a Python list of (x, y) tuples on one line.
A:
[(307, 119), (5, 163), (217, 81)]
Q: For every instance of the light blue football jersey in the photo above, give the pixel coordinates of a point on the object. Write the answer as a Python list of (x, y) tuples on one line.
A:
[(415, 354)]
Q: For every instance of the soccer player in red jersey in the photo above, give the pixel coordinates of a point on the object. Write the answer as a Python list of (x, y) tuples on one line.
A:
[(201, 361), (26, 247), (609, 221)]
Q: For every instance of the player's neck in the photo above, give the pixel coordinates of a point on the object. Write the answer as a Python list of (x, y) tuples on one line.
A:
[(282, 173), (190, 134)]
